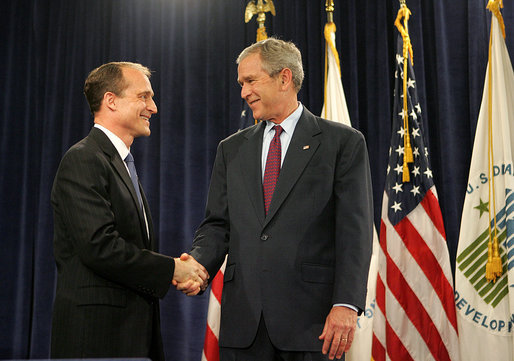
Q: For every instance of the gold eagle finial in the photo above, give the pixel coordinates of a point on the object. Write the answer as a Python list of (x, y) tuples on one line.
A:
[(259, 8)]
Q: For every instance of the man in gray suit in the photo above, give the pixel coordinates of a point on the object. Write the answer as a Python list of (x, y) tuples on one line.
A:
[(109, 276), (292, 208)]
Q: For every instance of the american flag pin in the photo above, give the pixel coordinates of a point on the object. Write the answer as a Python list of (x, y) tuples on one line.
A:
[(306, 147)]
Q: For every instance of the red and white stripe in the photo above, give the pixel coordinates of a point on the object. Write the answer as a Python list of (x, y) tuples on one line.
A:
[(212, 331), (415, 315)]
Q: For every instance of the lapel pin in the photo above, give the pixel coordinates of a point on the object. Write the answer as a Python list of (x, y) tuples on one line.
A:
[(306, 147)]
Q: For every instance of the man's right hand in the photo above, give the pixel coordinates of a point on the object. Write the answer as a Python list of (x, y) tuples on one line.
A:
[(190, 277)]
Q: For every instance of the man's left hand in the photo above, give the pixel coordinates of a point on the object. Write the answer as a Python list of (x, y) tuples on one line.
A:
[(339, 331)]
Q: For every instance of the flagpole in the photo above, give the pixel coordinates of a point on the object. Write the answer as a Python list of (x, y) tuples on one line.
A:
[(329, 33), (329, 7)]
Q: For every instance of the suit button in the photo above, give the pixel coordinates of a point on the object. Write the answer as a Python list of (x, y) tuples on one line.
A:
[(264, 237)]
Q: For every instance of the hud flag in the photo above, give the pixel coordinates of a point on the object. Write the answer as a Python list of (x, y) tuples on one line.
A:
[(484, 294)]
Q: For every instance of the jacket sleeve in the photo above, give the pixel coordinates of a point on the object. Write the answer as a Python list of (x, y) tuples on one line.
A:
[(210, 244), (97, 222), (354, 221)]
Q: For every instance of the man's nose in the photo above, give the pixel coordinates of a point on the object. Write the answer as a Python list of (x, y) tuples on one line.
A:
[(151, 106), (245, 91)]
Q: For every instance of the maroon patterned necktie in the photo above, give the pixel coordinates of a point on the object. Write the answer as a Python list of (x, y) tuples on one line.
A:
[(272, 167)]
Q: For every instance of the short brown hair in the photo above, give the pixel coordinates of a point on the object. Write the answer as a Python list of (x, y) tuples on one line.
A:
[(108, 78)]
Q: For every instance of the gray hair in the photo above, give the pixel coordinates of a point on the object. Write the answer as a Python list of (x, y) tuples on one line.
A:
[(276, 55)]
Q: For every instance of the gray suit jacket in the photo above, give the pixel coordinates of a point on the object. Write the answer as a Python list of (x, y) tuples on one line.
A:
[(109, 277), (313, 248)]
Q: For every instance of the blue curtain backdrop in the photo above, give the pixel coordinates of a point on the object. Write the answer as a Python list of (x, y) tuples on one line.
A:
[(47, 48)]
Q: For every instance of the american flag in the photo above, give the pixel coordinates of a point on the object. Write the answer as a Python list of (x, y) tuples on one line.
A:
[(415, 313), (212, 330)]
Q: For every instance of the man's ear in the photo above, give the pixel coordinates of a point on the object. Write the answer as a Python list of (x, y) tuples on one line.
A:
[(110, 100), (286, 78)]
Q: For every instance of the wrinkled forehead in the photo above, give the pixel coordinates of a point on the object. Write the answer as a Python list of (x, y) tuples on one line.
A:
[(249, 67)]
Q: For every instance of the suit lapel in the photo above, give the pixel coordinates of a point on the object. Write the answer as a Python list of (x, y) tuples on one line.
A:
[(302, 147), (250, 163), (119, 165)]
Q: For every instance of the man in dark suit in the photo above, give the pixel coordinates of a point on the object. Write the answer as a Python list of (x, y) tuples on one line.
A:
[(298, 246), (109, 276)]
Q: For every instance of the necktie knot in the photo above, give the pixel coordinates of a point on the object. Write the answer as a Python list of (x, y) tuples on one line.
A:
[(129, 158), (278, 131)]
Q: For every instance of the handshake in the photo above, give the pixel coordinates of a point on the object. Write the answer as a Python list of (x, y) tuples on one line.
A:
[(190, 277)]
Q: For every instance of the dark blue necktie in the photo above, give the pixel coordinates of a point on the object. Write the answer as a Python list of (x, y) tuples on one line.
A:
[(133, 176)]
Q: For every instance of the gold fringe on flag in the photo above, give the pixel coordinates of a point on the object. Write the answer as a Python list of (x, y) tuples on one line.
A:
[(494, 6), (405, 13), (493, 268), (330, 28)]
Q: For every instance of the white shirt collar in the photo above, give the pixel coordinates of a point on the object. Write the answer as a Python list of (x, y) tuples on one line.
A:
[(120, 146), (289, 123)]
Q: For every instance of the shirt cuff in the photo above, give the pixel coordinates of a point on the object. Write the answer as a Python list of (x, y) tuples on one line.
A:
[(352, 307)]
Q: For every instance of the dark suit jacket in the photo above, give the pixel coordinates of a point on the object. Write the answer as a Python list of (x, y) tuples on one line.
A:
[(313, 248), (109, 278)]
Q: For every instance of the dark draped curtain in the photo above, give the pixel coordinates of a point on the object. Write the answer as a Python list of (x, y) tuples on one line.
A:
[(49, 46)]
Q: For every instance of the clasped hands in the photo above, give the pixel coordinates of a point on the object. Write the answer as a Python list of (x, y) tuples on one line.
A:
[(190, 277)]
